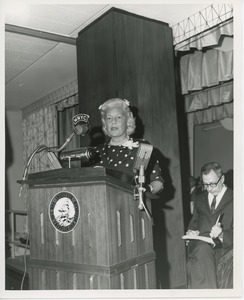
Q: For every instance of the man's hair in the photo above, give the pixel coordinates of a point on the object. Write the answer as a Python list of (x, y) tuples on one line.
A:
[(212, 166)]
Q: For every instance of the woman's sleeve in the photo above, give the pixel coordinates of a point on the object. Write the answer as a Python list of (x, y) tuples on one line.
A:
[(97, 159), (156, 174)]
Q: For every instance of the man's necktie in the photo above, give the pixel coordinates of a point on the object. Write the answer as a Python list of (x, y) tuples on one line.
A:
[(213, 205)]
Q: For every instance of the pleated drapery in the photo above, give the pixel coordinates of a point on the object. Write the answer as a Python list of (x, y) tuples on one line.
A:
[(206, 74), (216, 96), (65, 124), (200, 70), (67, 103)]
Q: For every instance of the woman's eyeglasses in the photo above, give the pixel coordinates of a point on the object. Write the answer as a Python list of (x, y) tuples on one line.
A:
[(211, 184)]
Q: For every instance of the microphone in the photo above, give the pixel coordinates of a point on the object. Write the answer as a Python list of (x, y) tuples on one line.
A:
[(83, 154), (143, 156), (81, 125), (140, 164)]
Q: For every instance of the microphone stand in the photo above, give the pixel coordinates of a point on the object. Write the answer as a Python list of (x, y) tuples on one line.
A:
[(141, 190)]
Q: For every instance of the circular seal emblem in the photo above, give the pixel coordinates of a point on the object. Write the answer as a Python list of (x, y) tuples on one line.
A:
[(64, 211)]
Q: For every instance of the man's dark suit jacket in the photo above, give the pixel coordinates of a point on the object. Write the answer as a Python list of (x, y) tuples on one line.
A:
[(203, 221)]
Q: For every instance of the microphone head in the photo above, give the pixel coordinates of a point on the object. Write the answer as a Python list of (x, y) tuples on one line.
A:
[(83, 154), (81, 124), (143, 156)]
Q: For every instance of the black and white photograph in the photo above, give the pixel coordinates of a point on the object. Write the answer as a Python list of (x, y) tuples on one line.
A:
[(122, 149)]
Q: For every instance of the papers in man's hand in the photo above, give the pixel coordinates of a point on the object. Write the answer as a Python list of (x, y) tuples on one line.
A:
[(198, 237)]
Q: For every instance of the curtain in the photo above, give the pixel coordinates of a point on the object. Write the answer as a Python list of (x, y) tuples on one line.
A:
[(65, 126), (208, 98), (39, 128), (211, 114), (206, 74), (205, 69), (68, 102)]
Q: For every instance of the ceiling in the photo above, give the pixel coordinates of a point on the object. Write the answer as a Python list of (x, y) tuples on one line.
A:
[(36, 67)]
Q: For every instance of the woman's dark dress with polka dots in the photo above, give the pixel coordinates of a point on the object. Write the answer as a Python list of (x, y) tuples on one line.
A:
[(121, 158)]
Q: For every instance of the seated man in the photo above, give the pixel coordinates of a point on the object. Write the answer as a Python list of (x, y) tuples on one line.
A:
[(212, 216)]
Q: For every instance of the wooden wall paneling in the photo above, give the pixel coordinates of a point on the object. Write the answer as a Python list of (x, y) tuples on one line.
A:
[(120, 210), (54, 239), (82, 230), (53, 284), (141, 276), (132, 229), (104, 282), (137, 229), (114, 236), (127, 228), (92, 229), (35, 210), (35, 281), (82, 281), (61, 280), (102, 229), (129, 279), (144, 68), (115, 282), (71, 279), (95, 59), (151, 272), (146, 77)]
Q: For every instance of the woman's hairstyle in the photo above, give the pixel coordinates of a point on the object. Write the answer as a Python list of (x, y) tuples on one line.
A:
[(119, 103), (216, 167)]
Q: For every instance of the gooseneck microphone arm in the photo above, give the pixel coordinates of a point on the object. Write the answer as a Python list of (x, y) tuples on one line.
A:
[(42, 148), (64, 144), (37, 150)]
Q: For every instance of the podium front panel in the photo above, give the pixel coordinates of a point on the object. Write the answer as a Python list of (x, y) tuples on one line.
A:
[(111, 246)]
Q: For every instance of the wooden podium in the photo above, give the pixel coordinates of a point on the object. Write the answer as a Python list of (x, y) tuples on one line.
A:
[(108, 243)]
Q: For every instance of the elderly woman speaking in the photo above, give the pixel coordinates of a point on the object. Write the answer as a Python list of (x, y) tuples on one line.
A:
[(120, 152)]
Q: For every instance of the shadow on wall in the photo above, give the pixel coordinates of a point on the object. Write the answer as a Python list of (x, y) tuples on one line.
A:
[(8, 163), (159, 206), (97, 137)]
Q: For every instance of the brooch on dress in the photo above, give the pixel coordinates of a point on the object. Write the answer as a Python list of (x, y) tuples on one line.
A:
[(130, 144)]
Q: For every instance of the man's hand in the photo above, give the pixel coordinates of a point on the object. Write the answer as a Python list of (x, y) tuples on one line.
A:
[(192, 232), (216, 231)]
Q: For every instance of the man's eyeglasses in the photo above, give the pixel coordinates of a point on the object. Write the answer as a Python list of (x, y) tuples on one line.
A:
[(211, 184)]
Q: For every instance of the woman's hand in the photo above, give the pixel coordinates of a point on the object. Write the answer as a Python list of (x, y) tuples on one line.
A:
[(157, 186)]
